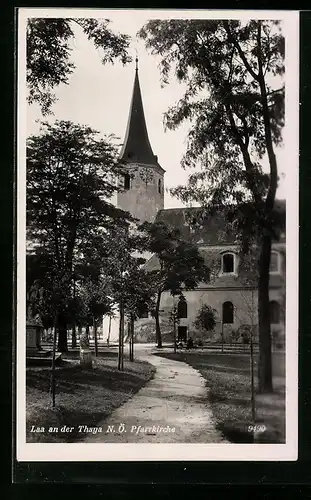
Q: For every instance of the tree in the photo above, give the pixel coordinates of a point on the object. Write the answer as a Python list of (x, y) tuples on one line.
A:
[(235, 104), (38, 287), (206, 318), (70, 176), (95, 296), (130, 284), (49, 50), (248, 337), (45, 295), (180, 265), (44, 290), (174, 320), (139, 290)]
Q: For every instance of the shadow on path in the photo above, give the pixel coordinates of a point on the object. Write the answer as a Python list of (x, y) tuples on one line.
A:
[(170, 408)]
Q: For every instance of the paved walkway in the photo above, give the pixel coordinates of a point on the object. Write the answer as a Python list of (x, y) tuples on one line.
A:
[(170, 408)]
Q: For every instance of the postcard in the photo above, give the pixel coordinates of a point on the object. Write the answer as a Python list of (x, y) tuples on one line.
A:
[(157, 205)]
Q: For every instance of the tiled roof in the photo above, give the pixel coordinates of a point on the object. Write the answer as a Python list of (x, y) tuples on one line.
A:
[(209, 231), (212, 239)]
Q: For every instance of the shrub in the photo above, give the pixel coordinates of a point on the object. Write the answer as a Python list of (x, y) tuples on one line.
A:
[(206, 318), (235, 335)]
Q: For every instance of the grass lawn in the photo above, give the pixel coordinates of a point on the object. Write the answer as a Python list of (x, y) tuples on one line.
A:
[(83, 396), (228, 380)]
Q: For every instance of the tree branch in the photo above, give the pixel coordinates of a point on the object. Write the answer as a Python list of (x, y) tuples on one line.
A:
[(267, 127), (240, 51), (246, 156)]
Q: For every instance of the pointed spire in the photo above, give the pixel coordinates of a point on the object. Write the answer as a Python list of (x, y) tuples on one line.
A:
[(136, 146)]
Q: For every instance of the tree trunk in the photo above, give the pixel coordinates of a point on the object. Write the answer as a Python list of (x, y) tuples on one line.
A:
[(122, 340), (253, 402), (79, 332), (128, 332), (53, 382), (128, 337), (267, 126), (157, 321), (95, 336), (265, 358), (109, 331), (74, 337), (132, 338), (175, 336), (62, 333)]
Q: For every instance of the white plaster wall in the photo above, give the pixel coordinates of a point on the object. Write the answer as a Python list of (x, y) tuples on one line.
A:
[(114, 331), (244, 301)]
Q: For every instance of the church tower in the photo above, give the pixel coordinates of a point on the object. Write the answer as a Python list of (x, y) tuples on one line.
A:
[(143, 185)]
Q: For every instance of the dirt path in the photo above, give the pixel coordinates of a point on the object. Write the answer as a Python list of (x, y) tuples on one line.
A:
[(171, 408)]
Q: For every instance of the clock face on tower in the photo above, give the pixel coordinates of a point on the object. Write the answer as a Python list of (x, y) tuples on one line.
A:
[(146, 174)]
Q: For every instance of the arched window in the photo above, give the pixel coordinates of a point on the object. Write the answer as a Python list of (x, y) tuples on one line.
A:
[(227, 312), (275, 263), (228, 263), (127, 182), (274, 312), (160, 186), (182, 309)]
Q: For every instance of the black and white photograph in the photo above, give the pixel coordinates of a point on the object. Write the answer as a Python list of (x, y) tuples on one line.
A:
[(157, 247)]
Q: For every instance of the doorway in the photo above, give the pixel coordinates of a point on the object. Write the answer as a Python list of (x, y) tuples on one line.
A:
[(182, 334)]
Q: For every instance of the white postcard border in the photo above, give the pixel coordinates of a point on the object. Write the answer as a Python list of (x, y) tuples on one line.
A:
[(167, 452)]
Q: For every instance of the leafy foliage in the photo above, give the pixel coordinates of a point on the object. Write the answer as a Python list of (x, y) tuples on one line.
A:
[(180, 265), (129, 282), (41, 295), (206, 318), (224, 65), (70, 178), (234, 102), (49, 49)]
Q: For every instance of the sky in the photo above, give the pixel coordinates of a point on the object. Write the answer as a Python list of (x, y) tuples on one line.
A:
[(99, 96)]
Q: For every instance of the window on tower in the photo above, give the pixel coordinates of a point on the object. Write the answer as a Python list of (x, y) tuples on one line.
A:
[(127, 182), (160, 186)]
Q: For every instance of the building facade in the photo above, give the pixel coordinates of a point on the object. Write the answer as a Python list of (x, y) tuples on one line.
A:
[(232, 288)]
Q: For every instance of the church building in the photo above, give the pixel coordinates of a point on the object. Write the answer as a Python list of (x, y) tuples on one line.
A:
[(232, 291)]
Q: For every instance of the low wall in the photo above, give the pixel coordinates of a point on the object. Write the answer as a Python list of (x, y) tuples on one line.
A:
[(145, 330)]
